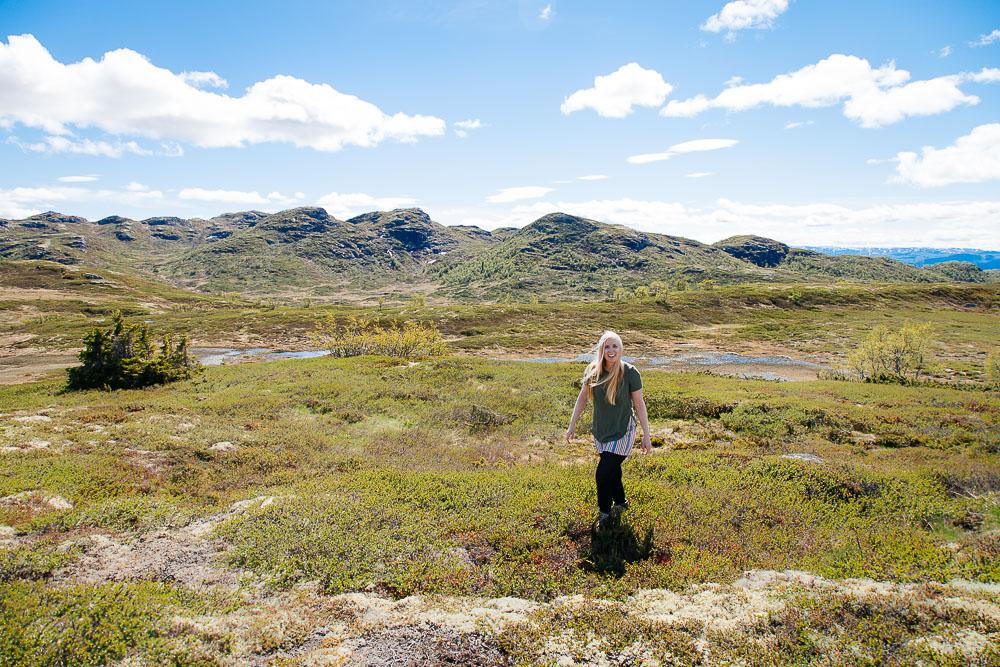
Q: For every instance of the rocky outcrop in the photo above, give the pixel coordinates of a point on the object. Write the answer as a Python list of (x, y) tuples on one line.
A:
[(757, 250)]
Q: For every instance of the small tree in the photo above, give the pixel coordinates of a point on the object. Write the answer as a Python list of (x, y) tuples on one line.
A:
[(123, 356), (893, 356)]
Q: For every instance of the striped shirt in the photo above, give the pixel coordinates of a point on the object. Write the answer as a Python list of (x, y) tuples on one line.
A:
[(621, 446)]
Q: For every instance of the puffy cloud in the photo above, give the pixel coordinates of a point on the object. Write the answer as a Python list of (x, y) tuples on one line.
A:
[(125, 94), (699, 174), (204, 79), (944, 51), (136, 187), (930, 224), (507, 195), (592, 177), (24, 201), (547, 13), (462, 127), (985, 40), (86, 178), (235, 197), (743, 14), (791, 125), (872, 97), (348, 204), (695, 146), (985, 75), (614, 95), (973, 158)]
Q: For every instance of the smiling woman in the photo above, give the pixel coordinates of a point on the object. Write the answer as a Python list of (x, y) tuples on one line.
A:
[(616, 388)]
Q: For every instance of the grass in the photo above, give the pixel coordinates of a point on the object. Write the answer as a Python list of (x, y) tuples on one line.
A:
[(450, 476), (377, 464)]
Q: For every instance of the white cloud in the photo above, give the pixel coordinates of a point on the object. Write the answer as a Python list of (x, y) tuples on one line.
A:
[(86, 178), (743, 14), (986, 75), (204, 79), (136, 187), (985, 40), (952, 224), (235, 197), (699, 174), (462, 127), (24, 201), (62, 144), (592, 177), (506, 195), (348, 204), (974, 157), (944, 51), (547, 13), (872, 97), (614, 95), (125, 94), (792, 124), (695, 146)]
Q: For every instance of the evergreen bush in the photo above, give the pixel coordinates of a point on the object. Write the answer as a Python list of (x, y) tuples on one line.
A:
[(124, 356)]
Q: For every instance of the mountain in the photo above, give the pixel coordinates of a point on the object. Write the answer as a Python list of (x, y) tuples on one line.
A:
[(809, 264), (307, 249), (984, 259), (565, 254)]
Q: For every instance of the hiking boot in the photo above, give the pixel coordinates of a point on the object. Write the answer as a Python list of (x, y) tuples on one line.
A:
[(603, 520), (621, 507)]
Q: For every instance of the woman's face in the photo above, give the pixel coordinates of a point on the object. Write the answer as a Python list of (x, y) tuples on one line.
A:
[(612, 350)]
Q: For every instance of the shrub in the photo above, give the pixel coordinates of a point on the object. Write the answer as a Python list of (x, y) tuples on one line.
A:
[(992, 368), (124, 356), (887, 356), (361, 335)]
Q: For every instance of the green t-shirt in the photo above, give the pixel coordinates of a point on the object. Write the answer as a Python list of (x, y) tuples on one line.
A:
[(611, 421)]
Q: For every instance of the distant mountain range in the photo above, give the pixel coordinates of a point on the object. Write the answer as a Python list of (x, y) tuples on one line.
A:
[(307, 250), (984, 259)]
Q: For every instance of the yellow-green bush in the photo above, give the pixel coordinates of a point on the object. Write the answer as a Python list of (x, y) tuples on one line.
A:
[(361, 335)]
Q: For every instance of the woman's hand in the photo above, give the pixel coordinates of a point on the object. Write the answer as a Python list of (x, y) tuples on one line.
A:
[(647, 443), (570, 432)]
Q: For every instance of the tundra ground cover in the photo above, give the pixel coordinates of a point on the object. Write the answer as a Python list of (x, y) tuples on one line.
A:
[(448, 476), (293, 512)]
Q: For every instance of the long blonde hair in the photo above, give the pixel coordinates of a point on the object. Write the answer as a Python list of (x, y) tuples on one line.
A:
[(592, 375)]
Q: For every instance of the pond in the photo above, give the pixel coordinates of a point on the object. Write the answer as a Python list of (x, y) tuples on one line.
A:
[(774, 367)]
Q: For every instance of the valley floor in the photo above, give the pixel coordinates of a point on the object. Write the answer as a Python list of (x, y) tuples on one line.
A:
[(383, 511)]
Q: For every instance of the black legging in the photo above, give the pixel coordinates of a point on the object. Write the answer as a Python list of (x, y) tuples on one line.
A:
[(609, 481)]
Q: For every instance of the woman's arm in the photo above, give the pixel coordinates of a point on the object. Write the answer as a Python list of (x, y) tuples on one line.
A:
[(640, 409), (581, 403)]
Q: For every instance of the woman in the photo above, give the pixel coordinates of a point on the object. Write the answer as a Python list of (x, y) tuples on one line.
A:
[(616, 389)]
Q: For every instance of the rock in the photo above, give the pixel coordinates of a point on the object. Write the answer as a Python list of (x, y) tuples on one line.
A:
[(224, 446), (811, 458), (754, 249), (58, 503), (36, 500), (92, 276), (33, 419)]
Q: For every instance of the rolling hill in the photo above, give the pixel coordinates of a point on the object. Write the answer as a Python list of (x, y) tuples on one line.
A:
[(306, 249)]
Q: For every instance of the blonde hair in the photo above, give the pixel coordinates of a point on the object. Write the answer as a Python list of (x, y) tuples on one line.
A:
[(592, 375)]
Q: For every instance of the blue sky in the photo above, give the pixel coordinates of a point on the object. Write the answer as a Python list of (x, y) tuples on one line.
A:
[(848, 123)]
